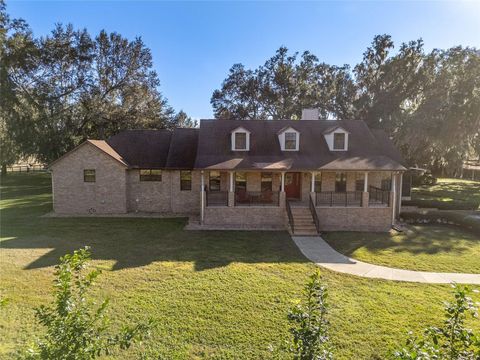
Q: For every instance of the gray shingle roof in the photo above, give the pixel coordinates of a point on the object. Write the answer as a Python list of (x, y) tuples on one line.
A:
[(209, 147), (366, 151), (157, 149)]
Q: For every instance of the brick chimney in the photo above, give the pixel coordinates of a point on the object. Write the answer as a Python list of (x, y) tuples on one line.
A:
[(310, 114)]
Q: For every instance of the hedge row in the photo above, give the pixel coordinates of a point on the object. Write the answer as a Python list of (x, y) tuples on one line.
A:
[(441, 205), (442, 217)]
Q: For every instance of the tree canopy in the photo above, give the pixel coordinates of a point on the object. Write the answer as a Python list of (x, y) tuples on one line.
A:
[(429, 103), (60, 89)]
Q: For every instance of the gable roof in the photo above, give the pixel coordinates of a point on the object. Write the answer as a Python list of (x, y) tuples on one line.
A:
[(100, 145), (285, 128), (331, 129), (364, 153)]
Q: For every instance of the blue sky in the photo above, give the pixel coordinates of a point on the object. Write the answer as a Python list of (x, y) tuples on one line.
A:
[(194, 44)]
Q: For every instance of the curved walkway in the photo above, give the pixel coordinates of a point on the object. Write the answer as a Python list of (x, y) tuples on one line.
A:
[(317, 250)]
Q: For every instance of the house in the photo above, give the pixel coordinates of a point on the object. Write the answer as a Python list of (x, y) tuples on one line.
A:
[(306, 175)]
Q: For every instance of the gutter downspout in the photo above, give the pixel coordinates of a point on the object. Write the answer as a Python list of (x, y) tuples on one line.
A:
[(202, 205), (394, 202)]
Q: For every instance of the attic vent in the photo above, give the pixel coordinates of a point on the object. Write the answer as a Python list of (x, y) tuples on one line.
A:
[(310, 114)]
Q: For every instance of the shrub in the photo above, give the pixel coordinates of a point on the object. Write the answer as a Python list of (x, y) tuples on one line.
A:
[(75, 328), (426, 179), (442, 205), (310, 324), (452, 340), (442, 217)]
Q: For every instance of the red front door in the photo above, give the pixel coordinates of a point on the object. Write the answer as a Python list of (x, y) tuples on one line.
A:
[(292, 185)]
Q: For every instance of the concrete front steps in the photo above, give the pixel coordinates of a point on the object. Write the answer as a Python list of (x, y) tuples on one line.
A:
[(303, 222)]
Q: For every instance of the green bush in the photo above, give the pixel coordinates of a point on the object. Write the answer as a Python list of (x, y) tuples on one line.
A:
[(441, 205), (442, 217), (310, 324), (426, 179), (75, 328), (452, 340)]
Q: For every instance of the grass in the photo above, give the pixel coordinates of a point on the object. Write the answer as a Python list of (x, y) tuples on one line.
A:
[(448, 194), (216, 295), (439, 248)]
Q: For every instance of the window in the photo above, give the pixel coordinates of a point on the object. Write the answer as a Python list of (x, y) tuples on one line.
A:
[(340, 182), (89, 175), (240, 181), (290, 141), (339, 141), (266, 182), (359, 181), (318, 182), (214, 181), (185, 180), (240, 141), (150, 175)]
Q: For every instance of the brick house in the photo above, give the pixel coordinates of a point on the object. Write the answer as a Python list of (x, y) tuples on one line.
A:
[(307, 176)]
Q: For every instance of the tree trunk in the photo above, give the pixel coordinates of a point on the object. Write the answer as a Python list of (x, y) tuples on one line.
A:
[(4, 169)]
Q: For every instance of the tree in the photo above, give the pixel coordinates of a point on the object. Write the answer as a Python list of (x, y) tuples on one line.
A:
[(182, 120), (75, 328), (282, 87), (447, 114), (68, 86), (16, 43), (452, 340), (310, 324)]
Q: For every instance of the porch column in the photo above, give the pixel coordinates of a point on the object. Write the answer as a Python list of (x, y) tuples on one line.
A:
[(393, 199), (231, 194), (365, 194), (202, 198), (400, 194), (282, 197), (312, 187)]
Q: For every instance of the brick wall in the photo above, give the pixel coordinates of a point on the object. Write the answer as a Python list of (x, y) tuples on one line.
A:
[(247, 217), (354, 219), (163, 196), (107, 195)]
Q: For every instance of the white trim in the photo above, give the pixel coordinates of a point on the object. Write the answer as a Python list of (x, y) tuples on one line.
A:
[(394, 203), (283, 182), (241, 130), (202, 194), (365, 182), (281, 139), (329, 138)]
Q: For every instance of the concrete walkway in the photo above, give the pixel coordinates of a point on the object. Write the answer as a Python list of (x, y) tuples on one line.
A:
[(317, 250)]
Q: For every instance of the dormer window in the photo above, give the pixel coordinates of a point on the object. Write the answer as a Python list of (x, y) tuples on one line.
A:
[(336, 138), (289, 139), (339, 141), (240, 139)]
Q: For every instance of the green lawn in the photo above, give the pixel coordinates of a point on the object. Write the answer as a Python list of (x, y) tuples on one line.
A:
[(439, 248), (448, 194), (216, 295)]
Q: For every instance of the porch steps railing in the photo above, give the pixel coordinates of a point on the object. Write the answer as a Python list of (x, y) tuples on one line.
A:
[(303, 221), (378, 196), (313, 211)]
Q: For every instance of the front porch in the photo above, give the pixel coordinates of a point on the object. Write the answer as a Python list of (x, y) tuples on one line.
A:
[(257, 198), (329, 189)]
